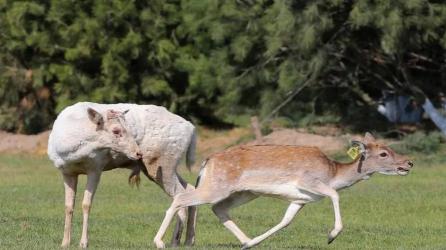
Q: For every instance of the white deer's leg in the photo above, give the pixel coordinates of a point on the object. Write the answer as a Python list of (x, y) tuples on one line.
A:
[(191, 224), (93, 179), (191, 221), (221, 209), (180, 186), (70, 184), (292, 210), (179, 225)]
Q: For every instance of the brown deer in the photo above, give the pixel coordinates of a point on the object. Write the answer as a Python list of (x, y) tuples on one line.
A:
[(297, 174)]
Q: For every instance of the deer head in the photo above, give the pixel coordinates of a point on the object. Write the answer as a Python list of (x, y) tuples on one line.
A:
[(376, 157), (114, 134)]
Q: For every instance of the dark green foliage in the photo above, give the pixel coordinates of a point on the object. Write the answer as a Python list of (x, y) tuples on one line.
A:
[(420, 142), (217, 61)]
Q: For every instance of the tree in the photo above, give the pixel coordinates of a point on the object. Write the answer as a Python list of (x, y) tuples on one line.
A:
[(103, 51), (221, 61)]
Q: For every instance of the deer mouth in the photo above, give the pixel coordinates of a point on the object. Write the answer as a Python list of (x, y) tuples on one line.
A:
[(402, 171)]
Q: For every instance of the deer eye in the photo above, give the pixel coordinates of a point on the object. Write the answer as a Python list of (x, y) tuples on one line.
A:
[(116, 131), (383, 154)]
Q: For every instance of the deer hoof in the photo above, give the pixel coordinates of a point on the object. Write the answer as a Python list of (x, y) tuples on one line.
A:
[(333, 234), (159, 244), (83, 244)]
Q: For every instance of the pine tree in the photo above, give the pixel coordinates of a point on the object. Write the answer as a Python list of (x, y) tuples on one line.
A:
[(217, 61)]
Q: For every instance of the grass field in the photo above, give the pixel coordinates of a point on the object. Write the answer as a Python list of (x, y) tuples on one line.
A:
[(386, 212)]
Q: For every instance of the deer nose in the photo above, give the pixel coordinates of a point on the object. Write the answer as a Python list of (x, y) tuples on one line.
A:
[(410, 163), (139, 155)]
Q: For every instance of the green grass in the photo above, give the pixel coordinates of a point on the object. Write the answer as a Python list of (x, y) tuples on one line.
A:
[(386, 212)]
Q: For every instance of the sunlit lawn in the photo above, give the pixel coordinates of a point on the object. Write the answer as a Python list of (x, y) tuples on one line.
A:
[(386, 212)]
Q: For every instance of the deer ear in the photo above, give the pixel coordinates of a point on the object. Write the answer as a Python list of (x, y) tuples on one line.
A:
[(362, 152), (368, 138), (361, 145), (96, 118)]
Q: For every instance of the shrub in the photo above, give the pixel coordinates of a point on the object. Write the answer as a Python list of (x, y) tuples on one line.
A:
[(420, 142)]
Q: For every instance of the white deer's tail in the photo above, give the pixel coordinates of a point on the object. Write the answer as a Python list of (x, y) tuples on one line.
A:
[(190, 154)]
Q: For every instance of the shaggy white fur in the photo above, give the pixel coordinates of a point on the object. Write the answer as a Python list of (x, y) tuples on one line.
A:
[(89, 138), (74, 136)]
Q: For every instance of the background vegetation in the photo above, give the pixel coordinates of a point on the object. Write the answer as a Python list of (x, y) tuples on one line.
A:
[(218, 61)]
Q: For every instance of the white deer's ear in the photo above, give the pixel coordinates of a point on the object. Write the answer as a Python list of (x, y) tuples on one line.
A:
[(124, 113), (368, 138), (96, 118)]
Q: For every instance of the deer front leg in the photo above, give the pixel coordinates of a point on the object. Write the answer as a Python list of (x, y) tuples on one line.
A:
[(292, 210), (70, 184), (325, 190), (338, 221), (93, 179)]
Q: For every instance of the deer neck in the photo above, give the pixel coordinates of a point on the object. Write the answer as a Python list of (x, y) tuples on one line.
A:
[(348, 174)]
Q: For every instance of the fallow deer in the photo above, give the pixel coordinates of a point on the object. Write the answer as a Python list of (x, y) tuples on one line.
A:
[(90, 138), (297, 174)]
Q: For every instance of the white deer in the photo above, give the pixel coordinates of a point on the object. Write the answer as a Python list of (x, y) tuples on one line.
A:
[(89, 138), (297, 174)]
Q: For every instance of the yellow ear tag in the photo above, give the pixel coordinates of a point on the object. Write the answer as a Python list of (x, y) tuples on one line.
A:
[(353, 152)]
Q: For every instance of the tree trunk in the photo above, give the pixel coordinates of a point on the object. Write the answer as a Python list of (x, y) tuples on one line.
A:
[(435, 116), (256, 127)]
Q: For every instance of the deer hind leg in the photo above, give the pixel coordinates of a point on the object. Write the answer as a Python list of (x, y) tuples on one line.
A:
[(70, 184), (93, 179), (291, 211), (186, 216), (161, 168), (182, 200), (182, 215), (173, 184), (221, 209)]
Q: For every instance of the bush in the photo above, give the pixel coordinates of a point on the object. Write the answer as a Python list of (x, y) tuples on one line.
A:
[(420, 142), (217, 62)]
